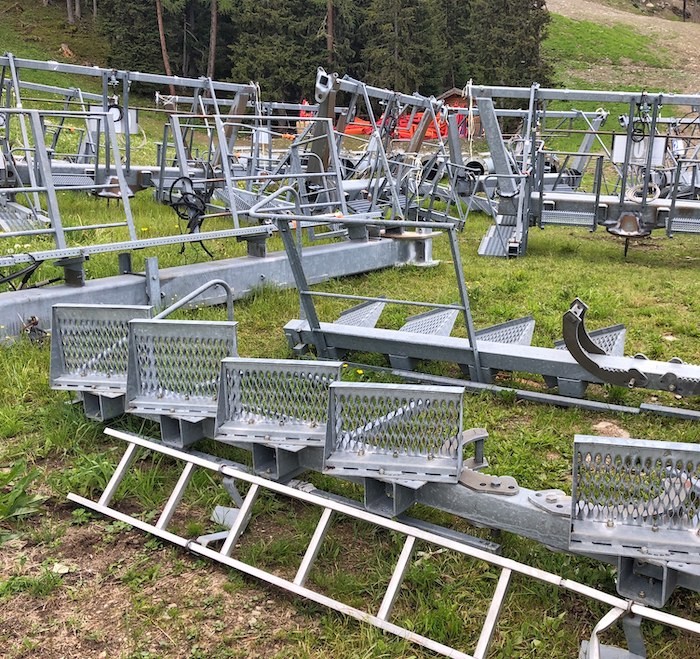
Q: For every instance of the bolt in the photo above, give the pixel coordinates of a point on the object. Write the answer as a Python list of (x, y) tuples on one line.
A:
[(654, 528), (642, 593), (609, 523), (671, 387), (381, 472), (551, 498), (495, 483)]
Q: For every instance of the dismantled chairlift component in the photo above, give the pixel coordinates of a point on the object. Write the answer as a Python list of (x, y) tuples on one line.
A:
[(627, 611), (675, 376), (392, 439)]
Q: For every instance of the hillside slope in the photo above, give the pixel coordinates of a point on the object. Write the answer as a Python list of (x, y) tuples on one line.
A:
[(678, 44)]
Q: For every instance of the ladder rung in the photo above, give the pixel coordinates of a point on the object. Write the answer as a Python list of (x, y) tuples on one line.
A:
[(396, 578), (492, 615), (118, 475), (175, 497), (241, 520), (314, 546)]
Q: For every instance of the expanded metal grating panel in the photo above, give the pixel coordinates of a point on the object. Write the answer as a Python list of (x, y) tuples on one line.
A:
[(275, 400), (395, 431), (636, 498), (69, 180), (684, 225), (438, 321), (245, 199), (496, 240), (363, 315), (89, 345), (15, 217), (174, 365), (517, 331), (609, 339), (568, 218)]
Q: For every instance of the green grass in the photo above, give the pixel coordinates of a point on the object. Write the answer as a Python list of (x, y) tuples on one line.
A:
[(218, 613), (582, 43), (29, 30)]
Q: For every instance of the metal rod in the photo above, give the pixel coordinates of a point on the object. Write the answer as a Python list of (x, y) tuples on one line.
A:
[(482, 647), (196, 293), (118, 474), (314, 547), (397, 576), (241, 521), (176, 496)]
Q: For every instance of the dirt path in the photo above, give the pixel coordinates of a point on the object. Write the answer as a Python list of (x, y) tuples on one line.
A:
[(680, 42)]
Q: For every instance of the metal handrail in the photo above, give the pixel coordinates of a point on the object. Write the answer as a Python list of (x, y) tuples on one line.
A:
[(195, 293)]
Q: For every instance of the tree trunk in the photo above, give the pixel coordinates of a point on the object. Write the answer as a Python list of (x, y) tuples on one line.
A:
[(211, 63), (78, 10), (71, 15), (163, 44), (330, 31)]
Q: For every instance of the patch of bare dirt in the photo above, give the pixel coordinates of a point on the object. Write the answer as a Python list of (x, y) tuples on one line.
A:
[(610, 429), (116, 596), (681, 40)]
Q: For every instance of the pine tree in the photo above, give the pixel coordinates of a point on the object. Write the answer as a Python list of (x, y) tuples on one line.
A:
[(505, 42), (402, 50)]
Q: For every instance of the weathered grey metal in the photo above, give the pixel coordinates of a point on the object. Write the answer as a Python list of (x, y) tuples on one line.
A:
[(89, 354), (173, 374), (274, 402), (636, 498), (245, 274), (672, 376), (329, 505), (365, 314), (495, 356), (395, 432)]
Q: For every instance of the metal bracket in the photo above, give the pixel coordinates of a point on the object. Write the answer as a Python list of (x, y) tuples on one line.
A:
[(488, 484), (581, 346), (553, 501)]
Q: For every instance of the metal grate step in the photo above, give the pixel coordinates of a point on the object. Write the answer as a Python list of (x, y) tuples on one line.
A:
[(568, 218)]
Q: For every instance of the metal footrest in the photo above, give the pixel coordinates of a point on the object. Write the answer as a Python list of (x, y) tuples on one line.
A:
[(15, 217), (273, 402), (636, 498), (683, 225), (363, 315), (72, 180), (174, 367), (436, 321), (611, 340), (568, 218), (90, 353), (395, 432), (497, 240), (518, 332)]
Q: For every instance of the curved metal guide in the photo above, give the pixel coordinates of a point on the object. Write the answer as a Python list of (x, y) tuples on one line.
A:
[(650, 374)]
